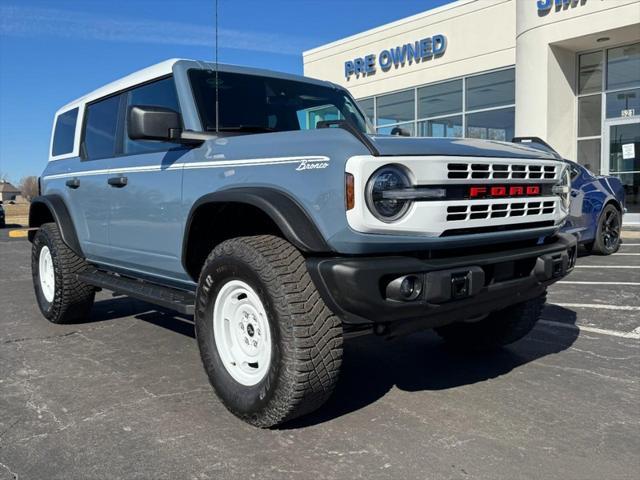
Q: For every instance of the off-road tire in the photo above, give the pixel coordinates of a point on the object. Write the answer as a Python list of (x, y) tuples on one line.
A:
[(600, 245), (73, 299), (306, 336), (496, 330)]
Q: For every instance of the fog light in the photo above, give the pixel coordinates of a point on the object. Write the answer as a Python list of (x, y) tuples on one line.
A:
[(408, 287), (405, 289)]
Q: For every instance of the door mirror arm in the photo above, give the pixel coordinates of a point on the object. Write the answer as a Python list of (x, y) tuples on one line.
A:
[(189, 137)]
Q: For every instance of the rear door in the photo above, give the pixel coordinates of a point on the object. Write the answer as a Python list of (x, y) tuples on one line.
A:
[(88, 192), (146, 218)]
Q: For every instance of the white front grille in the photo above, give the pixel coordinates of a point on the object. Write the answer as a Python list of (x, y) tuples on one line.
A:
[(514, 208), (431, 218), (501, 171)]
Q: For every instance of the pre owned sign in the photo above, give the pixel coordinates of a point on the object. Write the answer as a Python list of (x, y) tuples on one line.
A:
[(418, 51)]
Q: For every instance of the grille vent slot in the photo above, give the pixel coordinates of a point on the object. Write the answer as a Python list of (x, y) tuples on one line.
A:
[(499, 210), (501, 171)]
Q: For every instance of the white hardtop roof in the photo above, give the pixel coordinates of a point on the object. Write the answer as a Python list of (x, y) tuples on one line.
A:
[(166, 68), (141, 76)]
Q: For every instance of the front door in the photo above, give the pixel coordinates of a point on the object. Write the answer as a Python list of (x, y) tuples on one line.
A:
[(622, 154), (147, 221)]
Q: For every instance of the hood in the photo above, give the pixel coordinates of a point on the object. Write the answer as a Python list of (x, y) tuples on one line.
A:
[(467, 147)]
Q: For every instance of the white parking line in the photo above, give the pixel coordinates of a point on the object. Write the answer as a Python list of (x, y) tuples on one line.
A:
[(607, 266), (622, 253), (625, 244), (570, 282), (635, 334), (596, 305)]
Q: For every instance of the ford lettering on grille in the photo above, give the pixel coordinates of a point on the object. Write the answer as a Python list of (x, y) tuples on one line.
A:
[(501, 191)]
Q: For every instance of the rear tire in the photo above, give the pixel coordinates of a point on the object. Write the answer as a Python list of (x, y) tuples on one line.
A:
[(497, 329), (607, 239), (270, 346), (62, 298)]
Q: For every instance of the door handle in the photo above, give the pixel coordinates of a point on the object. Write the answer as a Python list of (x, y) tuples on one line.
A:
[(117, 182), (73, 183)]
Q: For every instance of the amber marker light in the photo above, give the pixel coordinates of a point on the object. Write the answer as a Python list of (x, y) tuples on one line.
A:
[(349, 191)]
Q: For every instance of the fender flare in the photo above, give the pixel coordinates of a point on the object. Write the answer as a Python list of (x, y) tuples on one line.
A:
[(60, 213), (290, 217)]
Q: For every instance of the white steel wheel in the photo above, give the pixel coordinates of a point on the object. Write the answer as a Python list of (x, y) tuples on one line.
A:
[(241, 332), (46, 274)]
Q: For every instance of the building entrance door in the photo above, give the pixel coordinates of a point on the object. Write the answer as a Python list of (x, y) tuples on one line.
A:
[(622, 157)]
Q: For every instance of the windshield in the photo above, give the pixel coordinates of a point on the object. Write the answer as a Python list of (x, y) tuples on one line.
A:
[(252, 103)]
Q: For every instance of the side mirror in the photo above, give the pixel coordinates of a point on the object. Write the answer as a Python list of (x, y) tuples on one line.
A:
[(153, 123), (399, 131)]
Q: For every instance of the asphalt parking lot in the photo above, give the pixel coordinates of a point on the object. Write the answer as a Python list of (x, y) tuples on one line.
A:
[(125, 396)]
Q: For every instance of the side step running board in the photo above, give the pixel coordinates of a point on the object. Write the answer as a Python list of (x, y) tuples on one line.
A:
[(179, 300)]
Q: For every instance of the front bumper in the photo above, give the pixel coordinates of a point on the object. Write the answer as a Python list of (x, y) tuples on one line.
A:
[(355, 288)]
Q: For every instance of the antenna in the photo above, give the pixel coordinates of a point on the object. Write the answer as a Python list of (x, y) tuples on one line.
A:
[(216, 65)]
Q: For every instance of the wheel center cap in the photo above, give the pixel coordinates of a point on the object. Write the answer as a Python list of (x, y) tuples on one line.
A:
[(250, 330)]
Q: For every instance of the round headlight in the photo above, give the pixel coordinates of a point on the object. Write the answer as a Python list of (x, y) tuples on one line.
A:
[(563, 189), (383, 206)]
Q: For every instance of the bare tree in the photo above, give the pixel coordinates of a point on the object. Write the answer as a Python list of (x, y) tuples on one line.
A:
[(29, 187)]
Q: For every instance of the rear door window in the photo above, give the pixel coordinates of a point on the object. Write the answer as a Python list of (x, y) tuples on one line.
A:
[(101, 128), (64, 133), (161, 93)]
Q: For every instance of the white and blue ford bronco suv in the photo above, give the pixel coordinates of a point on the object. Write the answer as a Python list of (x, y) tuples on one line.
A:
[(260, 203)]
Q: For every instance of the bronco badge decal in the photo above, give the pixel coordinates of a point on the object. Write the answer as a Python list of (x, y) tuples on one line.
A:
[(312, 165)]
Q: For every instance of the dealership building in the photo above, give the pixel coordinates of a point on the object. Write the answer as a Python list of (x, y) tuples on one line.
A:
[(567, 71)]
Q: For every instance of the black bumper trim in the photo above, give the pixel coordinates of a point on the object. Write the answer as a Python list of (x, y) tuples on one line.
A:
[(354, 287)]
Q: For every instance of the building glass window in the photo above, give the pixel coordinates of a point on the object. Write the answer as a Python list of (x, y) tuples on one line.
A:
[(492, 124), (590, 73), (624, 103), (395, 108), (441, 127), (389, 130), (589, 115), (608, 92), (309, 118), (623, 67), (367, 107), (439, 109), (491, 90), (589, 154), (440, 99)]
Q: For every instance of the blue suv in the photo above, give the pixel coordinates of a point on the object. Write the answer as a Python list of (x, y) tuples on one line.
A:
[(260, 203)]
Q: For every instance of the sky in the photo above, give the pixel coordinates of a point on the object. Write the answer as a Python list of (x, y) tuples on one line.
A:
[(52, 52)]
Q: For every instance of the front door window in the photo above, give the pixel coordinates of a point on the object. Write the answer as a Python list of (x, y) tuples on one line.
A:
[(624, 159)]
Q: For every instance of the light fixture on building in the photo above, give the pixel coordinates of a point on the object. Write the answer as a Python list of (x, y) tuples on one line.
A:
[(603, 39)]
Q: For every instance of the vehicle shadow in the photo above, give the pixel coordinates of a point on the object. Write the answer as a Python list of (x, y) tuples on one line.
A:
[(372, 366), (122, 306)]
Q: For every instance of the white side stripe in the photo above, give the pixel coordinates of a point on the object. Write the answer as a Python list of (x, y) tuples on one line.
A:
[(193, 165)]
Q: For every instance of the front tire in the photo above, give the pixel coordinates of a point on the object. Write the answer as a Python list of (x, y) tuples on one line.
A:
[(607, 239), (62, 298), (270, 346), (497, 329)]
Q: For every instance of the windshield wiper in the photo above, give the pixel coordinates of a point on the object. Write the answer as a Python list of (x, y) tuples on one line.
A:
[(242, 128)]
